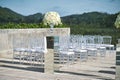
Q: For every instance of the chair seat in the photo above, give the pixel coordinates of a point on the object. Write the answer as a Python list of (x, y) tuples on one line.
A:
[(19, 49), (92, 49), (66, 52), (108, 45), (36, 51), (80, 50), (102, 47), (41, 51)]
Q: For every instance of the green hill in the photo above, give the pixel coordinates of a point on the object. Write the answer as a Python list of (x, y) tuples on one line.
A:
[(7, 15), (35, 18), (85, 23)]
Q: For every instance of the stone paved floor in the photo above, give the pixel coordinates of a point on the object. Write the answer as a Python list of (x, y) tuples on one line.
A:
[(99, 69)]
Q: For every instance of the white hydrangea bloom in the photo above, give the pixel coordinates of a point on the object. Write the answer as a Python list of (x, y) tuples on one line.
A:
[(117, 22), (51, 18)]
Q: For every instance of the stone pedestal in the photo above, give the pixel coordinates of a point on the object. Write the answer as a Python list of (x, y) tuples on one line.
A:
[(49, 62), (118, 62)]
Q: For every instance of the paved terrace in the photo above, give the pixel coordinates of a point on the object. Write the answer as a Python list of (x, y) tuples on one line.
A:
[(99, 69)]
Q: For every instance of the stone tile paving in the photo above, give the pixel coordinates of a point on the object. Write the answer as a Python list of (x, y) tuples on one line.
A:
[(99, 69)]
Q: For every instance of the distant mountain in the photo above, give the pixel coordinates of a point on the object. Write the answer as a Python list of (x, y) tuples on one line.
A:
[(35, 18), (7, 15), (91, 18), (93, 23)]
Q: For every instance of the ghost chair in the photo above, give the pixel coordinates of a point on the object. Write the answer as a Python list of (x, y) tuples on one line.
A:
[(107, 43), (91, 47), (98, 42), (40, 55), (74, 44), (41, 50), (82, 54), (102, 51), (66, 55), (19, 47), (80, 47), (37, 50)]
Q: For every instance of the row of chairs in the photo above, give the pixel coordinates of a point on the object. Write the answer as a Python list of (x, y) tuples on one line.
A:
[(29, 56), (31, 48), (81, 47)]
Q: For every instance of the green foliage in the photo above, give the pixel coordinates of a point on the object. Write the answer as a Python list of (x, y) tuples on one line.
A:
[(117, 22), (35, 18), (7, 15), (26, 25)]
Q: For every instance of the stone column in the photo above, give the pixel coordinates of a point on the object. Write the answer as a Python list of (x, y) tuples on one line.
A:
[(118, 62), (49, 62), (49, 56)]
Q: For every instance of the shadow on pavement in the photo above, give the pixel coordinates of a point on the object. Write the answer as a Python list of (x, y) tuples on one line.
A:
[(83, 74), (108, 72), (25, 68)]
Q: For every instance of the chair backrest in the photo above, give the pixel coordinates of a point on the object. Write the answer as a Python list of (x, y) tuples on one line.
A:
[(107, 39), (98, 39), (20, 40), (30, 40), (64, 42), (36, 41)]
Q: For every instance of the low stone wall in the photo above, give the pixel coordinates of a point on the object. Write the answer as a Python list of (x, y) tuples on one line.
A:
[(7, 37)]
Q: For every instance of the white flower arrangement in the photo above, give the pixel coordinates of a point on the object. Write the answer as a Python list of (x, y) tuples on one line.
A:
[(52, 18), (117, 22)]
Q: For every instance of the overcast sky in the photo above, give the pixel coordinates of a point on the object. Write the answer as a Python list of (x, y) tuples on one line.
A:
[(63, 7)]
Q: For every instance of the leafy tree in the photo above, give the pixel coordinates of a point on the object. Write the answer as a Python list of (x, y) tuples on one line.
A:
[(117, 22)]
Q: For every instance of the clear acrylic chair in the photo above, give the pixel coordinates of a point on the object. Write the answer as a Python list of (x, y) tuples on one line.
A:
[(37, 49), (107, 43), (19, 47), (90, 46), (66, 55)]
